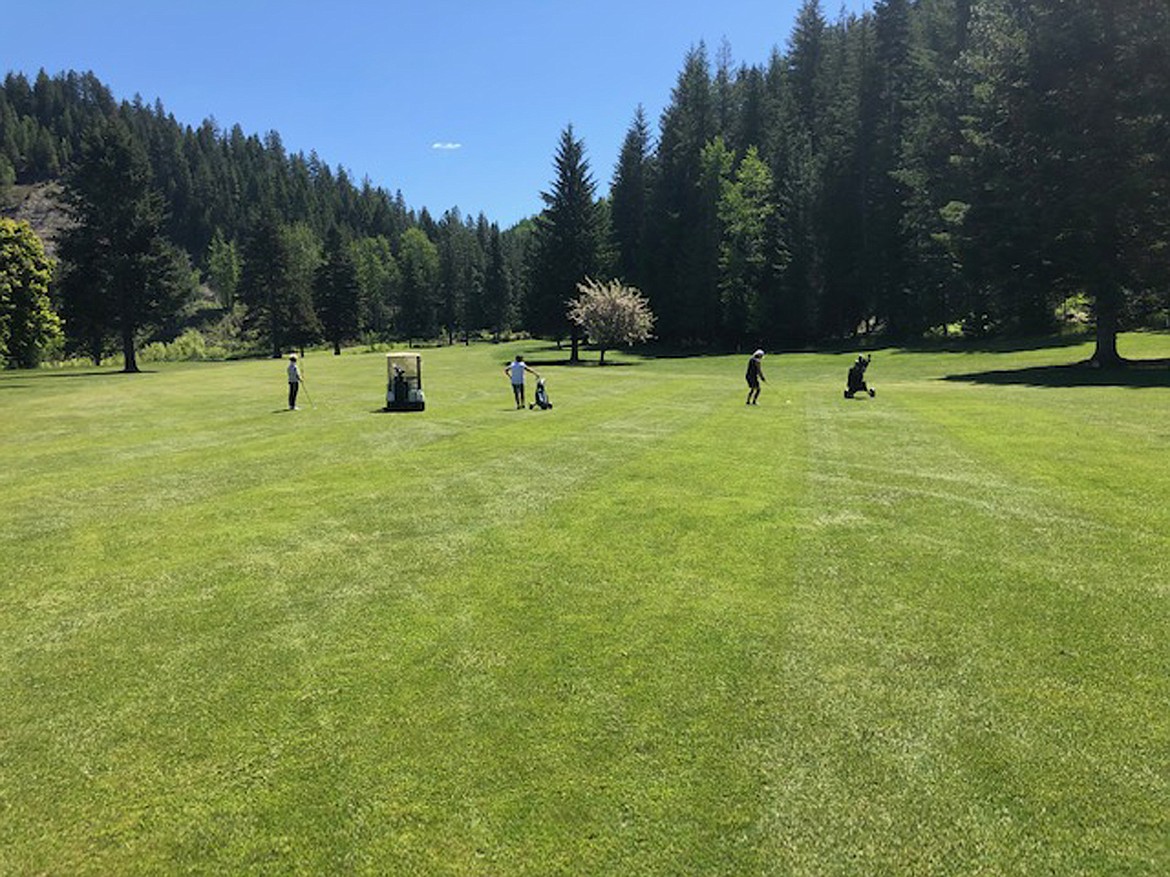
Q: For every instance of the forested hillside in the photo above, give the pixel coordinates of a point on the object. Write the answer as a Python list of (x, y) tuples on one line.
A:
[(983, 167), (222, 190)]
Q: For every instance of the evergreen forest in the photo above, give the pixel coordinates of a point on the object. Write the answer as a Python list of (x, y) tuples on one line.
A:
[(929, 168)]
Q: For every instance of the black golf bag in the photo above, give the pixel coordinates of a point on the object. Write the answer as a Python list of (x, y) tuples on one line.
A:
[(541, 396), (855, 381)]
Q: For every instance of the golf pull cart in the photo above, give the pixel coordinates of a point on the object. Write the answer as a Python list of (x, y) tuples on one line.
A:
[(855, 381), (404, 382)]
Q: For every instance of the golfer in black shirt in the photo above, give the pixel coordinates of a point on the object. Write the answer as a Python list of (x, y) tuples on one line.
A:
[(755, 374)]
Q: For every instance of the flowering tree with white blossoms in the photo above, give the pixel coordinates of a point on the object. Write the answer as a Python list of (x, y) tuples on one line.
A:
[(611, 314)]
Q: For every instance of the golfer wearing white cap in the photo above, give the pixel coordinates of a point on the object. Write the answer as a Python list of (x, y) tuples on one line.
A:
[(755, 374)]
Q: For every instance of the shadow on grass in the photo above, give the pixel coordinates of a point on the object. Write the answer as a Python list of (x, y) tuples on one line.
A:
[(1136, 374), (580, 363), (864, 343), (46, 376), (997, 345), (713, 352), (551, 356)]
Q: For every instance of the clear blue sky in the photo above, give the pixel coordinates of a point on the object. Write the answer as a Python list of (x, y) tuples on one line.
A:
[(453, 102)]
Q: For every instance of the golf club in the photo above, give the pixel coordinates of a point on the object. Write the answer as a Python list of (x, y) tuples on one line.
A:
[(305, 387)]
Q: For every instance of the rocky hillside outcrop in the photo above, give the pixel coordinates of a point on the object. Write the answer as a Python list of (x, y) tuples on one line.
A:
[(37, 205)]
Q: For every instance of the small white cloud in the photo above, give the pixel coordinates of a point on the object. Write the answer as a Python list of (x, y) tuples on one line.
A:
[(446, 146)]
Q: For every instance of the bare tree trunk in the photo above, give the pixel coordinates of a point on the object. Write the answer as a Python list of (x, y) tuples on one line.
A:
[(129, 359), (1107, 308)]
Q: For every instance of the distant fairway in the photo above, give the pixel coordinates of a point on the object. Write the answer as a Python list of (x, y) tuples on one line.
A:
[(650, 632)]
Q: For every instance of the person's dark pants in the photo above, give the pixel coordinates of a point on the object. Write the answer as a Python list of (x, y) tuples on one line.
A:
[(292, 394), (518, 392)]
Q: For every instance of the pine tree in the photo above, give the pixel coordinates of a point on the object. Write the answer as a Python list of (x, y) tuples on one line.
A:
[(499, 303), (883, 129), (276, 286), (478, 307), (336, 292), (682, 237), (754, 119), (299, 312), (419, 262), (120, 273), (797, 84), (629, 200), (805, 67), (568, 241), (460, 274), (930, 171), (1067, 162), (1103, 69), (845, 298)]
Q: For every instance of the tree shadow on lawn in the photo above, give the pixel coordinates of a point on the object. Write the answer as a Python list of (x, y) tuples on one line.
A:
[(998, 345), (555, 356), (1136, 374), (580, 363), (873, 344), (46, 376)]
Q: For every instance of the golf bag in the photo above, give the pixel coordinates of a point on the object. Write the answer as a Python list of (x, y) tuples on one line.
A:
[(541, 396), (855, 381)]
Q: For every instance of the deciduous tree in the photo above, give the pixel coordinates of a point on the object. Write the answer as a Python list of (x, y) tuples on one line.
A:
[(611, 314), (380, 284), (28, 324), (746, 208), (223, 268)]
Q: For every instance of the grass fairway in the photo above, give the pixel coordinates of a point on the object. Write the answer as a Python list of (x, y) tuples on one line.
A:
[(651, 631)]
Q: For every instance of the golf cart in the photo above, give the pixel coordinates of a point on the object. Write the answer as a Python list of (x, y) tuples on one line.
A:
[(404, 382)]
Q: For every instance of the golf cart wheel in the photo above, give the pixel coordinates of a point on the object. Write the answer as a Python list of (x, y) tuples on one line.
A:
[(872, 393)]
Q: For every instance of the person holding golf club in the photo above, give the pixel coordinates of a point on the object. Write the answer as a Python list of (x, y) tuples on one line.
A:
[(294, 381), (515, 370), (755, 374)]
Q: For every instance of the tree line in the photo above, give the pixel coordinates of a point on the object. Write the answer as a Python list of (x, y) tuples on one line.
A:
[(928, 167), (925, 168)]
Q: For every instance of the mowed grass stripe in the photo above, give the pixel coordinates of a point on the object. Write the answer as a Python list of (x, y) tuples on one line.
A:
[(1107, 468), (959, 680), (603, 669), (252, 593)]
